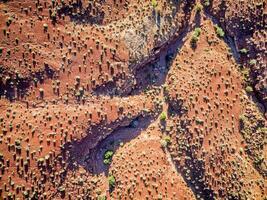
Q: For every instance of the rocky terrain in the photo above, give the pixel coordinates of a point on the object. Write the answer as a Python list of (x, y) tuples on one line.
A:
[(131, 99)]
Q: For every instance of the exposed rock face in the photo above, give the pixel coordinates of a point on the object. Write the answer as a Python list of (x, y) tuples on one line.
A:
[(159, 27)]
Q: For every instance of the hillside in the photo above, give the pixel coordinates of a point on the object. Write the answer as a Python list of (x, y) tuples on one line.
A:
[(131, 99)]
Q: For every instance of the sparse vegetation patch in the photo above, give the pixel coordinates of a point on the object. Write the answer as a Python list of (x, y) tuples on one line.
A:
[(108, 157), (195, 36), (219, 31)]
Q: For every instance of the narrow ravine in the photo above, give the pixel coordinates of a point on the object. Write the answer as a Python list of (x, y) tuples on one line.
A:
[(120, 136)]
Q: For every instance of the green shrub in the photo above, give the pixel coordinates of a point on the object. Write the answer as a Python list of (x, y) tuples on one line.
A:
[(102, 197), (243, 119), (111, 182), (107, 157), (197, 31), (163, 116), (108, 154), (154, 3), (264, 130), (167, 139), (163, 143), (106, 161), (219, 31), (249, 89), (195, 36), (245, 72), (199, 7), (253, 62), (206, 3), (244, 51), (98, 192)]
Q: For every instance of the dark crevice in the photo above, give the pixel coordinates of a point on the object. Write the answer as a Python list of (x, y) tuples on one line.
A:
[(93, 161), (149, 73)]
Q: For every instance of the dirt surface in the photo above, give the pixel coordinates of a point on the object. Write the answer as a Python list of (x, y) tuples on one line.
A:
[(131, 99)]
